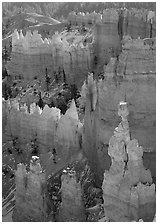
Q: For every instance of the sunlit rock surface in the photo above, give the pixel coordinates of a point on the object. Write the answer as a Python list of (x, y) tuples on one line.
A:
[(138, 23), (133, 81), (128, 191), (91, 126), (64, 61), (67, 142), (59, 137), (107, 40), (129, 70), (137, 57), (134, 22), (72, 207), (34, 57), (131, 77), (30, 196)]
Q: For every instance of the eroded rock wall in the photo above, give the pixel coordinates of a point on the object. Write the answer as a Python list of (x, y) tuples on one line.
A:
[(134, 81), (30, 203), (139, 23), (129, 77), (72, 207), (107, 41), (128, 191), (34, 57), (81, 18), (57, 137), (133, 22)]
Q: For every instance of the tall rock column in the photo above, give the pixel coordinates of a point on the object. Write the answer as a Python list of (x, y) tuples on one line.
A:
[(72, 207), (107, 39), (30, 203), (91, 128), (128, 191)]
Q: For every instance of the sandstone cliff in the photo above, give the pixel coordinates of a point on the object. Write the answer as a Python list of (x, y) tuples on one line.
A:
[(72, 207), (129, 77), (34, 57), (30, 203), (58, 137), (132, 22), (128, 191)]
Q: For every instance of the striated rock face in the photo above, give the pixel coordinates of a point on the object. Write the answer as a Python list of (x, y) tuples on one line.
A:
[(133, 22), (121, 24), (134, 81), (107, 40), (57, 137), (33, 57), (81, 18), (139, 23), (91, 126), (128, 191), (129, 77), (72, 207), (30, 205), (67, 142), (137, 57)]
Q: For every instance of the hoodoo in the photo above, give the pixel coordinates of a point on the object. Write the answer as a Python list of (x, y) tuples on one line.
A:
[(78, 112)]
